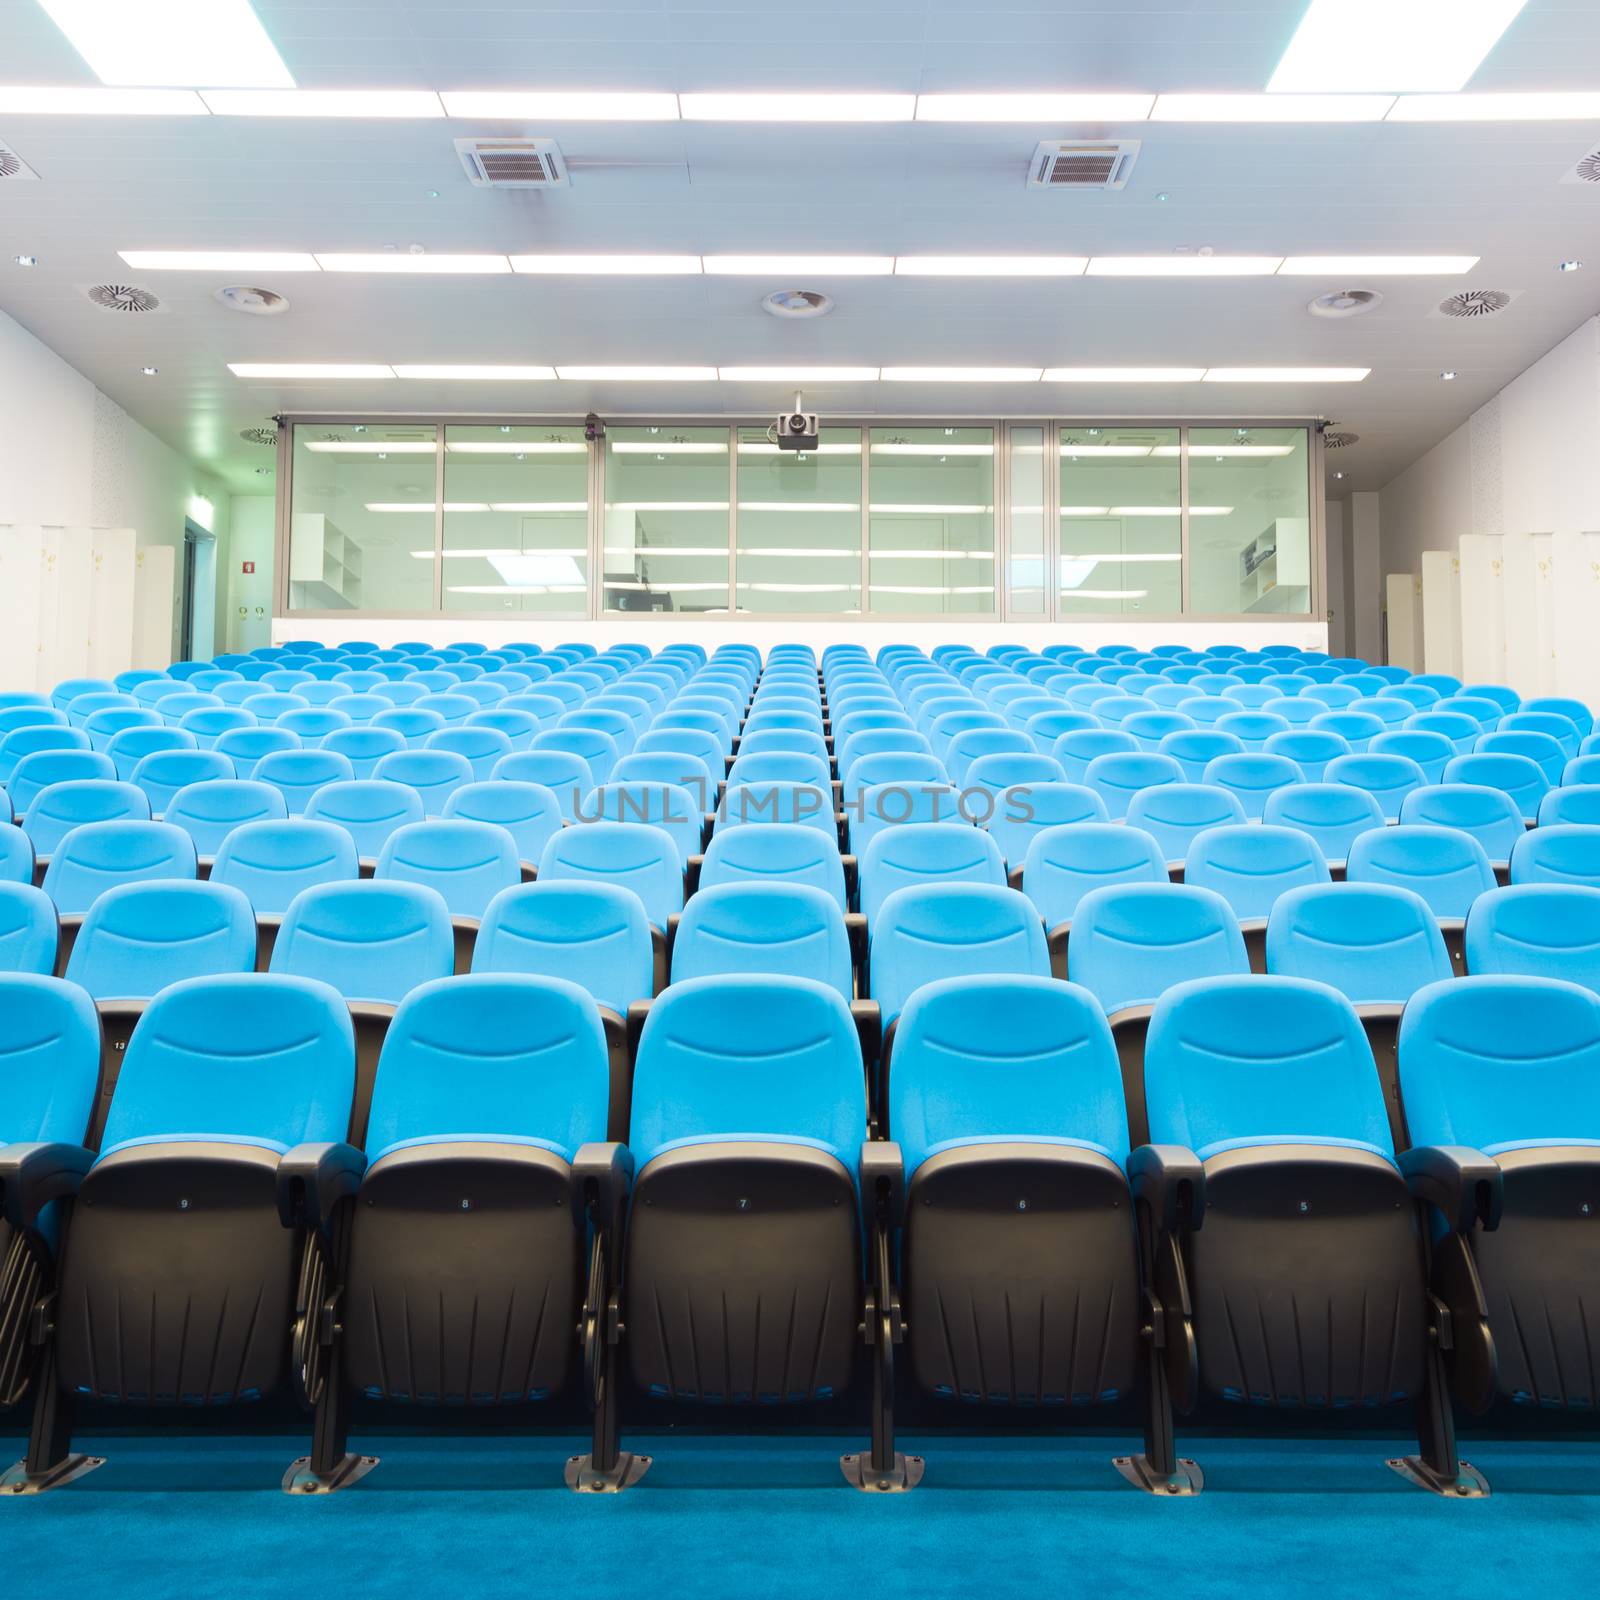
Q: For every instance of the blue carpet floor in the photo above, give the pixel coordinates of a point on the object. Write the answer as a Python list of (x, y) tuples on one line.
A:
[(736, 1517)]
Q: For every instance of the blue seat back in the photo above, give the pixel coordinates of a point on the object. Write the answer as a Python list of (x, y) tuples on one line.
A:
[(1064, 863), (1447, 867), (64, 806), (1312, 750), (369, 810), (1334, 814), (99, 855), (933, 852), (49, 1058), (36, 771), (468, 863), (1175, 814), (670, 807), (434, 774), (140, 937), (892, 805), (1121, 775), (934, 931), (372, 941), (1052, 1077), (633, 855), (29, 930), (529, 812), (1539, 748), (1250, 866), (788, 929), (1519, 776), (1502, 1063), (492, 1057), (1575, 711), (1387, 778), (1132, 942), (1537, 930), (299, 774), (480, 747), (907, 768), (208, 812), (780, 852), (764, 766), (260, 1060), (1491, 816), (1558, 853), (595, 935), (1195, 749), (565, 775), (1252, 778), (748, 1057), (415, 724), (1234, 1062), (1028, 809), (363, 747), (1077, 749), (1376, 943), (1432, 752), (271, 862)]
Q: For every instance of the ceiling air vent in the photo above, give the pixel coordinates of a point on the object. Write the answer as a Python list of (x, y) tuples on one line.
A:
[(1586, 171), (1345, 303), (513, 163), (1339, 441), (258, 436), (251, 301), (122, 297), (1075, 164), (1475, 303), (13, 166)]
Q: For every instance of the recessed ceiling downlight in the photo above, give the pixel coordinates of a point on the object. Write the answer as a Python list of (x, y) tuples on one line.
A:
[(797, 303), (1345, 303), (251, 301)]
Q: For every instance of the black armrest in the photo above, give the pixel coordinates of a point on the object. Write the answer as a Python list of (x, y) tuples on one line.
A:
[(32, 1175), (602, 1176), (1170, 1180), (868, 1018), (313, 1179), (883, 1179), (1014, 877), (851, 878), (1465, 1185), (691, 875), (638, 1014), (672, 936), (856, 926)]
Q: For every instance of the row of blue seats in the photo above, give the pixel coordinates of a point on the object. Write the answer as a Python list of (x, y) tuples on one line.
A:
[(1270, 1244)]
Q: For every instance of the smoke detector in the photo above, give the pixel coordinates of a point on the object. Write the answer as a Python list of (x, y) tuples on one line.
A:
[(1339, 441), (1475, 303), (1082, 164), (1345, 303), (797, 303), (13, 166), (122, 297), (266, 436), (513, 163), (253, 302)]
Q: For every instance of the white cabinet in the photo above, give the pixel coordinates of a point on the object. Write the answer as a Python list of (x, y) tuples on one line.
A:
[(324, 565)]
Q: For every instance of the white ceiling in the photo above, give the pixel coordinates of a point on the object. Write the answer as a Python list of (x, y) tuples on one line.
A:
[(236, 183)]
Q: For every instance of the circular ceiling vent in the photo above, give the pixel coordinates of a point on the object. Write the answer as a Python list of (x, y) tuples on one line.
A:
[(797, 303), (1475, 303), (253, 302), (1345, 303), (259, 436), (1339, 441), (122, 297), (10, 163), (1588, 170)]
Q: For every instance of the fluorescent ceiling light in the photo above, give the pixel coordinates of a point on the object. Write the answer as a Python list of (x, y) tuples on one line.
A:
[(172, 43), (1551, 106), (1046, 107), (798, 505), (668, 447), (502, 589), (1287, 374), (932, 555), (219, 261), (392, 103), (399, 507), (894, 449), (369, 447), (669, 505), (638, 374), (1171, 511), (1352, 46), (961, 374), (81, 102), (1102, 594), (519, 447), (404, 261), (754, 447), (559, 105), (307, 369), (1131, 555), (1123, 374), (990, 266), (1272, 108), (1183, 266), (1104, 450), (1376, 266), (1086, 511), (537, 569), (556, 508), (478, 374), (801, 375), (628, 266), (799, 588), (782, 107), (931, 588), (792, 266), (458, 553), (879, 508), (668, 549), (1225, 450)]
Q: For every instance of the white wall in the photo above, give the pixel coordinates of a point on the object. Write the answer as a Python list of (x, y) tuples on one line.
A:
[(74, 458), (247, 608)]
